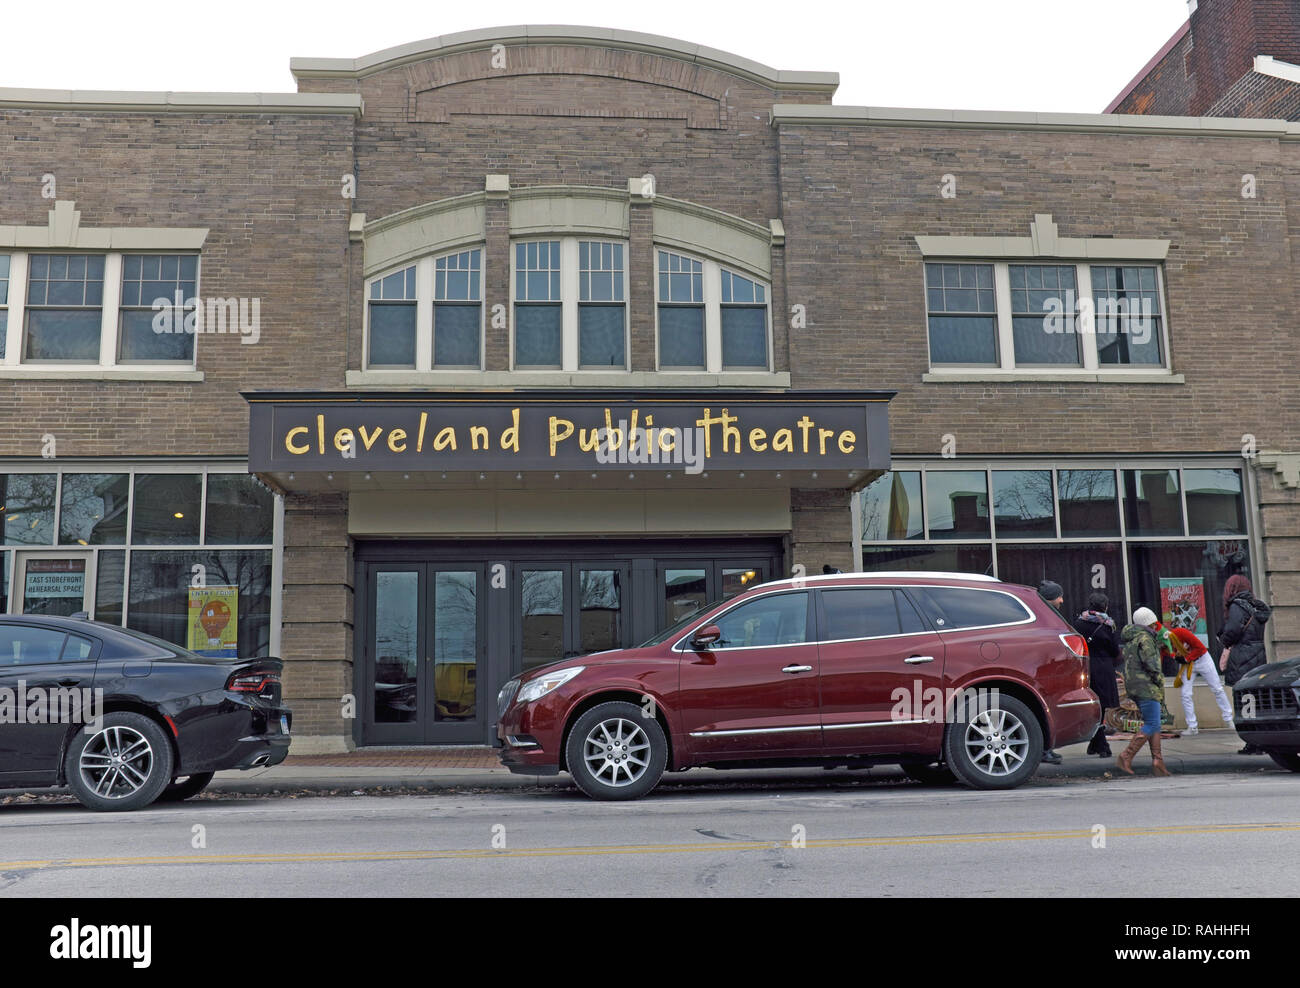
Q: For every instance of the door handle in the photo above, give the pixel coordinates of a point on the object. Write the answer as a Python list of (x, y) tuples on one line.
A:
[(916, 660), (793, 669), (69, 682)]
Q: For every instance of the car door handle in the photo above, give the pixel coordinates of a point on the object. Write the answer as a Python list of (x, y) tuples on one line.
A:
[(916, 660), (793, 669), (69, 682)]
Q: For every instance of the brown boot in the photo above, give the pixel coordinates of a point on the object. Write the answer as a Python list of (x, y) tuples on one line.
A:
[(1157, 759), (1125, 759)]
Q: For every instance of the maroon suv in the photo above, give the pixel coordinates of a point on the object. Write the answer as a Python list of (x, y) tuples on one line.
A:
[(947, 674)]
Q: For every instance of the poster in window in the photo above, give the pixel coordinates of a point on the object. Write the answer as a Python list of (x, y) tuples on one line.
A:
[(214, 622), (1182, 605)]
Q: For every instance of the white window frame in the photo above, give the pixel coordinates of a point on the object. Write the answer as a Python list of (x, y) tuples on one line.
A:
[(109, 325), (430, 281), (1091, 368), (423, 314), (569, 302), (712, 292)]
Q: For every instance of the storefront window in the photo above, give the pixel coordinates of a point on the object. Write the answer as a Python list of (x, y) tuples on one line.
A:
[(163, 589), (93, 509), (1214, 502), (110, 585), (1183, 581), (944, 558), (27, 507), (1153, 504), (891, 507), (957, 504), (166, 509), (1080, 568), (1023, 504), (4, 583), (1088, 503), (239, 511)]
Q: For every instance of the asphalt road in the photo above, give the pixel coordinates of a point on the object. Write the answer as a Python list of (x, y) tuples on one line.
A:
[(1234, 836)]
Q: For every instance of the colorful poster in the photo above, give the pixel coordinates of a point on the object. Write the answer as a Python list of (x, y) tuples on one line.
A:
[(1182, 605), (214, 622)]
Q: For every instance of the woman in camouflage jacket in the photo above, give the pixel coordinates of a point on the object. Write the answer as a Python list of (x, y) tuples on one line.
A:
[(1144, 682)]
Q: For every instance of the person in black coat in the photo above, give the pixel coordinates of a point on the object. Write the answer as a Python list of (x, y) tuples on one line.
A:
[(1099, 629), (1242, 635)]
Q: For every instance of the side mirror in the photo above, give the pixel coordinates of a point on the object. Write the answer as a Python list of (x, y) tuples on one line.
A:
[(706, 636)]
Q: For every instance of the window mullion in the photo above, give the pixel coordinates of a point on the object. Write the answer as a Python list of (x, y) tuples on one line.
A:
[(1087, 328), (712, 317), (424, 328), (569, 304), (17, 309), (110, 313), (1006, 340)]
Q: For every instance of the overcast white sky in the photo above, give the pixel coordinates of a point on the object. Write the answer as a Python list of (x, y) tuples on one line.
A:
[(1066, 55)]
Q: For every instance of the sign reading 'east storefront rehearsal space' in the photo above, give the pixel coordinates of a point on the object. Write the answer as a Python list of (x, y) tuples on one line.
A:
[(542, 435)]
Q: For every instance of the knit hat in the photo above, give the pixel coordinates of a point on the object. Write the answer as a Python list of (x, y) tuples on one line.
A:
[(1049, 590), (1145, 617)]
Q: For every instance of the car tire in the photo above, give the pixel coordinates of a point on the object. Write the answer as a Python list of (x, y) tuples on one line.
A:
[(933, 774), (1286, 759), (190, 785), (615, 751), (994, 745), (100, 783)]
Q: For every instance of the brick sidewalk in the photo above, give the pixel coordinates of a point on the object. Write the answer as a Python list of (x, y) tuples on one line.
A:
[(406, 758)]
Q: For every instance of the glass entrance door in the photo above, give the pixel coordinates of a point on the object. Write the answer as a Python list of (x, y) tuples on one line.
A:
[(566, 609), (423, 647), (57, 584)]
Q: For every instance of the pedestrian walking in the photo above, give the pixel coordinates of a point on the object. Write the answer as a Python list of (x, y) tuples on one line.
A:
[(1098, 629), (1197, 662), (1242, 635), (1052, 592), (1144, 682)]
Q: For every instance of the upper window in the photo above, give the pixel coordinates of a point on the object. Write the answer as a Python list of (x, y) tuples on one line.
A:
[(862, 612), (158, 296), (539, 315), (963, 313), (427, 314), (25, 645), (1041, 316), (952, 608), (602, 316), (458, 309), (710, 318), (65, 299), (392, 308), (570, 305)]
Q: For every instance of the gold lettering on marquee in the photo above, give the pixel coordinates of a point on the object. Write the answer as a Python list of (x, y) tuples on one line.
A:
[(288, 440), (477, 433), (510, 437), (395, 437)]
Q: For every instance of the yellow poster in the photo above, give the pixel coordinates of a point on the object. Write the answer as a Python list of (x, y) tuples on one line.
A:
[(214, 624)]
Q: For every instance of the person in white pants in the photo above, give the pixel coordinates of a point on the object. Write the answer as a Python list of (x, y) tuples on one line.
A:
[(1202, 665)]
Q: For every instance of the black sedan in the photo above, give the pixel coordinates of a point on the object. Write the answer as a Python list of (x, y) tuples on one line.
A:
[(124, 719), (1267, 710)]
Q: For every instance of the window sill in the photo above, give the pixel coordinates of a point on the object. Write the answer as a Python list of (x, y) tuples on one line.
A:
[(564, 379), (1069, 377), (51, 372)]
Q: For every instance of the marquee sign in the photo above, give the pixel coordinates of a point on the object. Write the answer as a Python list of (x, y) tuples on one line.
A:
[(569, 430)]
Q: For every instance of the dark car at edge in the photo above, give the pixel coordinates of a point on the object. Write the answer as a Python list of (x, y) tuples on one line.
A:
[(123, 719), (1266, 709)]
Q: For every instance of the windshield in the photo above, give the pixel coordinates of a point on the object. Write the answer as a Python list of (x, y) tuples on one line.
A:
[(680, 626)]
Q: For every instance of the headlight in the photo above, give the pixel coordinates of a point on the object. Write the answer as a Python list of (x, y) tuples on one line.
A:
[(505, 696), (542, 685)]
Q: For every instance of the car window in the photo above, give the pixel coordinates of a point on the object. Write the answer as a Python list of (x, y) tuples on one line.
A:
[(21, 645), (953, 608), (775, 619), (77, 648), (859, 612)]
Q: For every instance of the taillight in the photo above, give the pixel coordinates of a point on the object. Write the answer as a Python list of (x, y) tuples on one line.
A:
[(1076, 644), (254, 682)]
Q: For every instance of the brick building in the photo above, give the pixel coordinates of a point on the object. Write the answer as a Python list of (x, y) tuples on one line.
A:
[(443, 269)]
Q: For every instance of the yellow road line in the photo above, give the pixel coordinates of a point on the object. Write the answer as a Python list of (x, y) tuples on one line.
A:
[(599, 849)]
